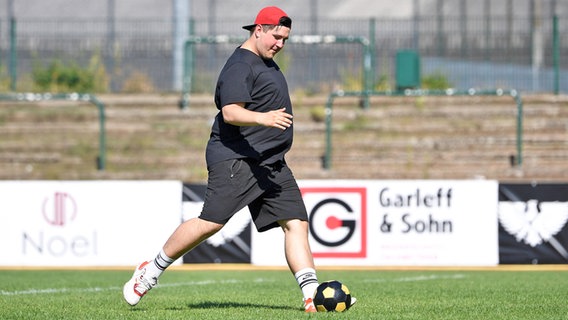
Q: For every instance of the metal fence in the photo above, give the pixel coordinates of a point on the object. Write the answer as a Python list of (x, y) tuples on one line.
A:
[(478, 51)]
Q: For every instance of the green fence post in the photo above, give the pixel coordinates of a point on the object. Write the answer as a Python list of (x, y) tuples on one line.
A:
[(328, 116), (368, 64), (187, 65), (0, 52), (373, 55), (556, 54), (186, 83), (517, 96), (13, 55), (101, 159)]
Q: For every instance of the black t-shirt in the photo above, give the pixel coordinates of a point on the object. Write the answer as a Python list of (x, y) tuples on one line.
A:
[(247, 78)]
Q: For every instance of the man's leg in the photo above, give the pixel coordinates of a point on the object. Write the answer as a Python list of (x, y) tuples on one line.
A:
[(297, 248), (299, 258), (186, 237)]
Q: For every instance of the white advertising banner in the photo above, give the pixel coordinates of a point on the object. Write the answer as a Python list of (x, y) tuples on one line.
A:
[(86, 223), (394, 223)]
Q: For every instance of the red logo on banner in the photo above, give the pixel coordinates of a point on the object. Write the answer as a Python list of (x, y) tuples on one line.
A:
[(59, 209), (338, 221)]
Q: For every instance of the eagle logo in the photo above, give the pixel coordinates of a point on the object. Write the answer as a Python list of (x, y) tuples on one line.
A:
[(533, 222)]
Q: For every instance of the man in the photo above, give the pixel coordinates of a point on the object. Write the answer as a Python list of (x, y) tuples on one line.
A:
[(245, 159)]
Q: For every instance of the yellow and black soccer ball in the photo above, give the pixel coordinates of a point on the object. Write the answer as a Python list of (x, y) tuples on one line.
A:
[(332, 296)]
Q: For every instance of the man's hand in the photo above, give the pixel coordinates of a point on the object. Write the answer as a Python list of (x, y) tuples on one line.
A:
[(237, 115), (276, 119)]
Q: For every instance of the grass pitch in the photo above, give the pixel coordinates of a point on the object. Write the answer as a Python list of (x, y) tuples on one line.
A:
[(273, 294)]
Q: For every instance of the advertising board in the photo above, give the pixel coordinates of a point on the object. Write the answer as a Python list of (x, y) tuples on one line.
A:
[(398, 222), (86, 223)]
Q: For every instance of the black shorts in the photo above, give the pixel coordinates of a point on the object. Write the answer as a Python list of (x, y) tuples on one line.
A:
[(270, 192)]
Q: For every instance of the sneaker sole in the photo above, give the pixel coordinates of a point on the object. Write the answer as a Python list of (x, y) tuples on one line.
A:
[(127, 292)]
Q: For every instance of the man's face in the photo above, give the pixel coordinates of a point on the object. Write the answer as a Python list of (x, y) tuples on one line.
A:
[(269, 43)]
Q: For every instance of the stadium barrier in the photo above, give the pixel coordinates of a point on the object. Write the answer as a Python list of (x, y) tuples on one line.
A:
[(394, 223), (352, 223), (86, 223), (407, 223)]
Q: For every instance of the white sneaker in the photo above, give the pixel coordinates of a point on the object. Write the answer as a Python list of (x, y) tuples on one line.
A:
[(353, 300), (138, 285), (309, 305)]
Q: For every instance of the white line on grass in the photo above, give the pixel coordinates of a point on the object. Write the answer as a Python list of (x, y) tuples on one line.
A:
[(54, 290), (99, 289), (203, 283), (420, 278)]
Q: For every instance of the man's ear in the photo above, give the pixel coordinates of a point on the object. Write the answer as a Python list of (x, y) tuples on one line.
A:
[(257, 30)]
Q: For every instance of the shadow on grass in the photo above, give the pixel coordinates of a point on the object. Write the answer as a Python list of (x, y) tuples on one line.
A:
[(206, 305), (228, 305)]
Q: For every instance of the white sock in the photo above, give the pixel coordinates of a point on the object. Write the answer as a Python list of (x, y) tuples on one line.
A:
[(308, 282), (157, 266)]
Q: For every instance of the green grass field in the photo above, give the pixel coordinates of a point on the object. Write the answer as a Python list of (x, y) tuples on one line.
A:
[(273, 294)]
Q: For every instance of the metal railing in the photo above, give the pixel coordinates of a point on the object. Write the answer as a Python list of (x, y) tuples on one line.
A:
[(189, 56), (36, 97), (470, 52), (418, 93)]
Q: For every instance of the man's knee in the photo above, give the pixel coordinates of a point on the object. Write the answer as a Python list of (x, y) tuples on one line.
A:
[(208, 227), (294, 225)]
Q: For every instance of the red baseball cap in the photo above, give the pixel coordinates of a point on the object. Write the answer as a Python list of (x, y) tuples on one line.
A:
[(269, 15)]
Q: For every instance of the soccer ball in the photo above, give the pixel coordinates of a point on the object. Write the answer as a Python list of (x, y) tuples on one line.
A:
[(332, 296)]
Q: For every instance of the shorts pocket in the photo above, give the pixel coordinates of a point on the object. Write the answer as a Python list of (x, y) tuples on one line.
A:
[(234, 168)]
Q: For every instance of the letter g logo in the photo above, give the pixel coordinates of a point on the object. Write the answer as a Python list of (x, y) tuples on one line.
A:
[(332, 222), (337, 221)]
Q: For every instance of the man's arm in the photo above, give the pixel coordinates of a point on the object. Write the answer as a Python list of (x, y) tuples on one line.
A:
[(237, 115)]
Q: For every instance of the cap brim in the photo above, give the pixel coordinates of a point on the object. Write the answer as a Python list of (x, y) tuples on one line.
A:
[(249, 27)]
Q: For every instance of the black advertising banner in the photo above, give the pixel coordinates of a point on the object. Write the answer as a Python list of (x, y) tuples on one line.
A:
[(230, 245), (532, 223)]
